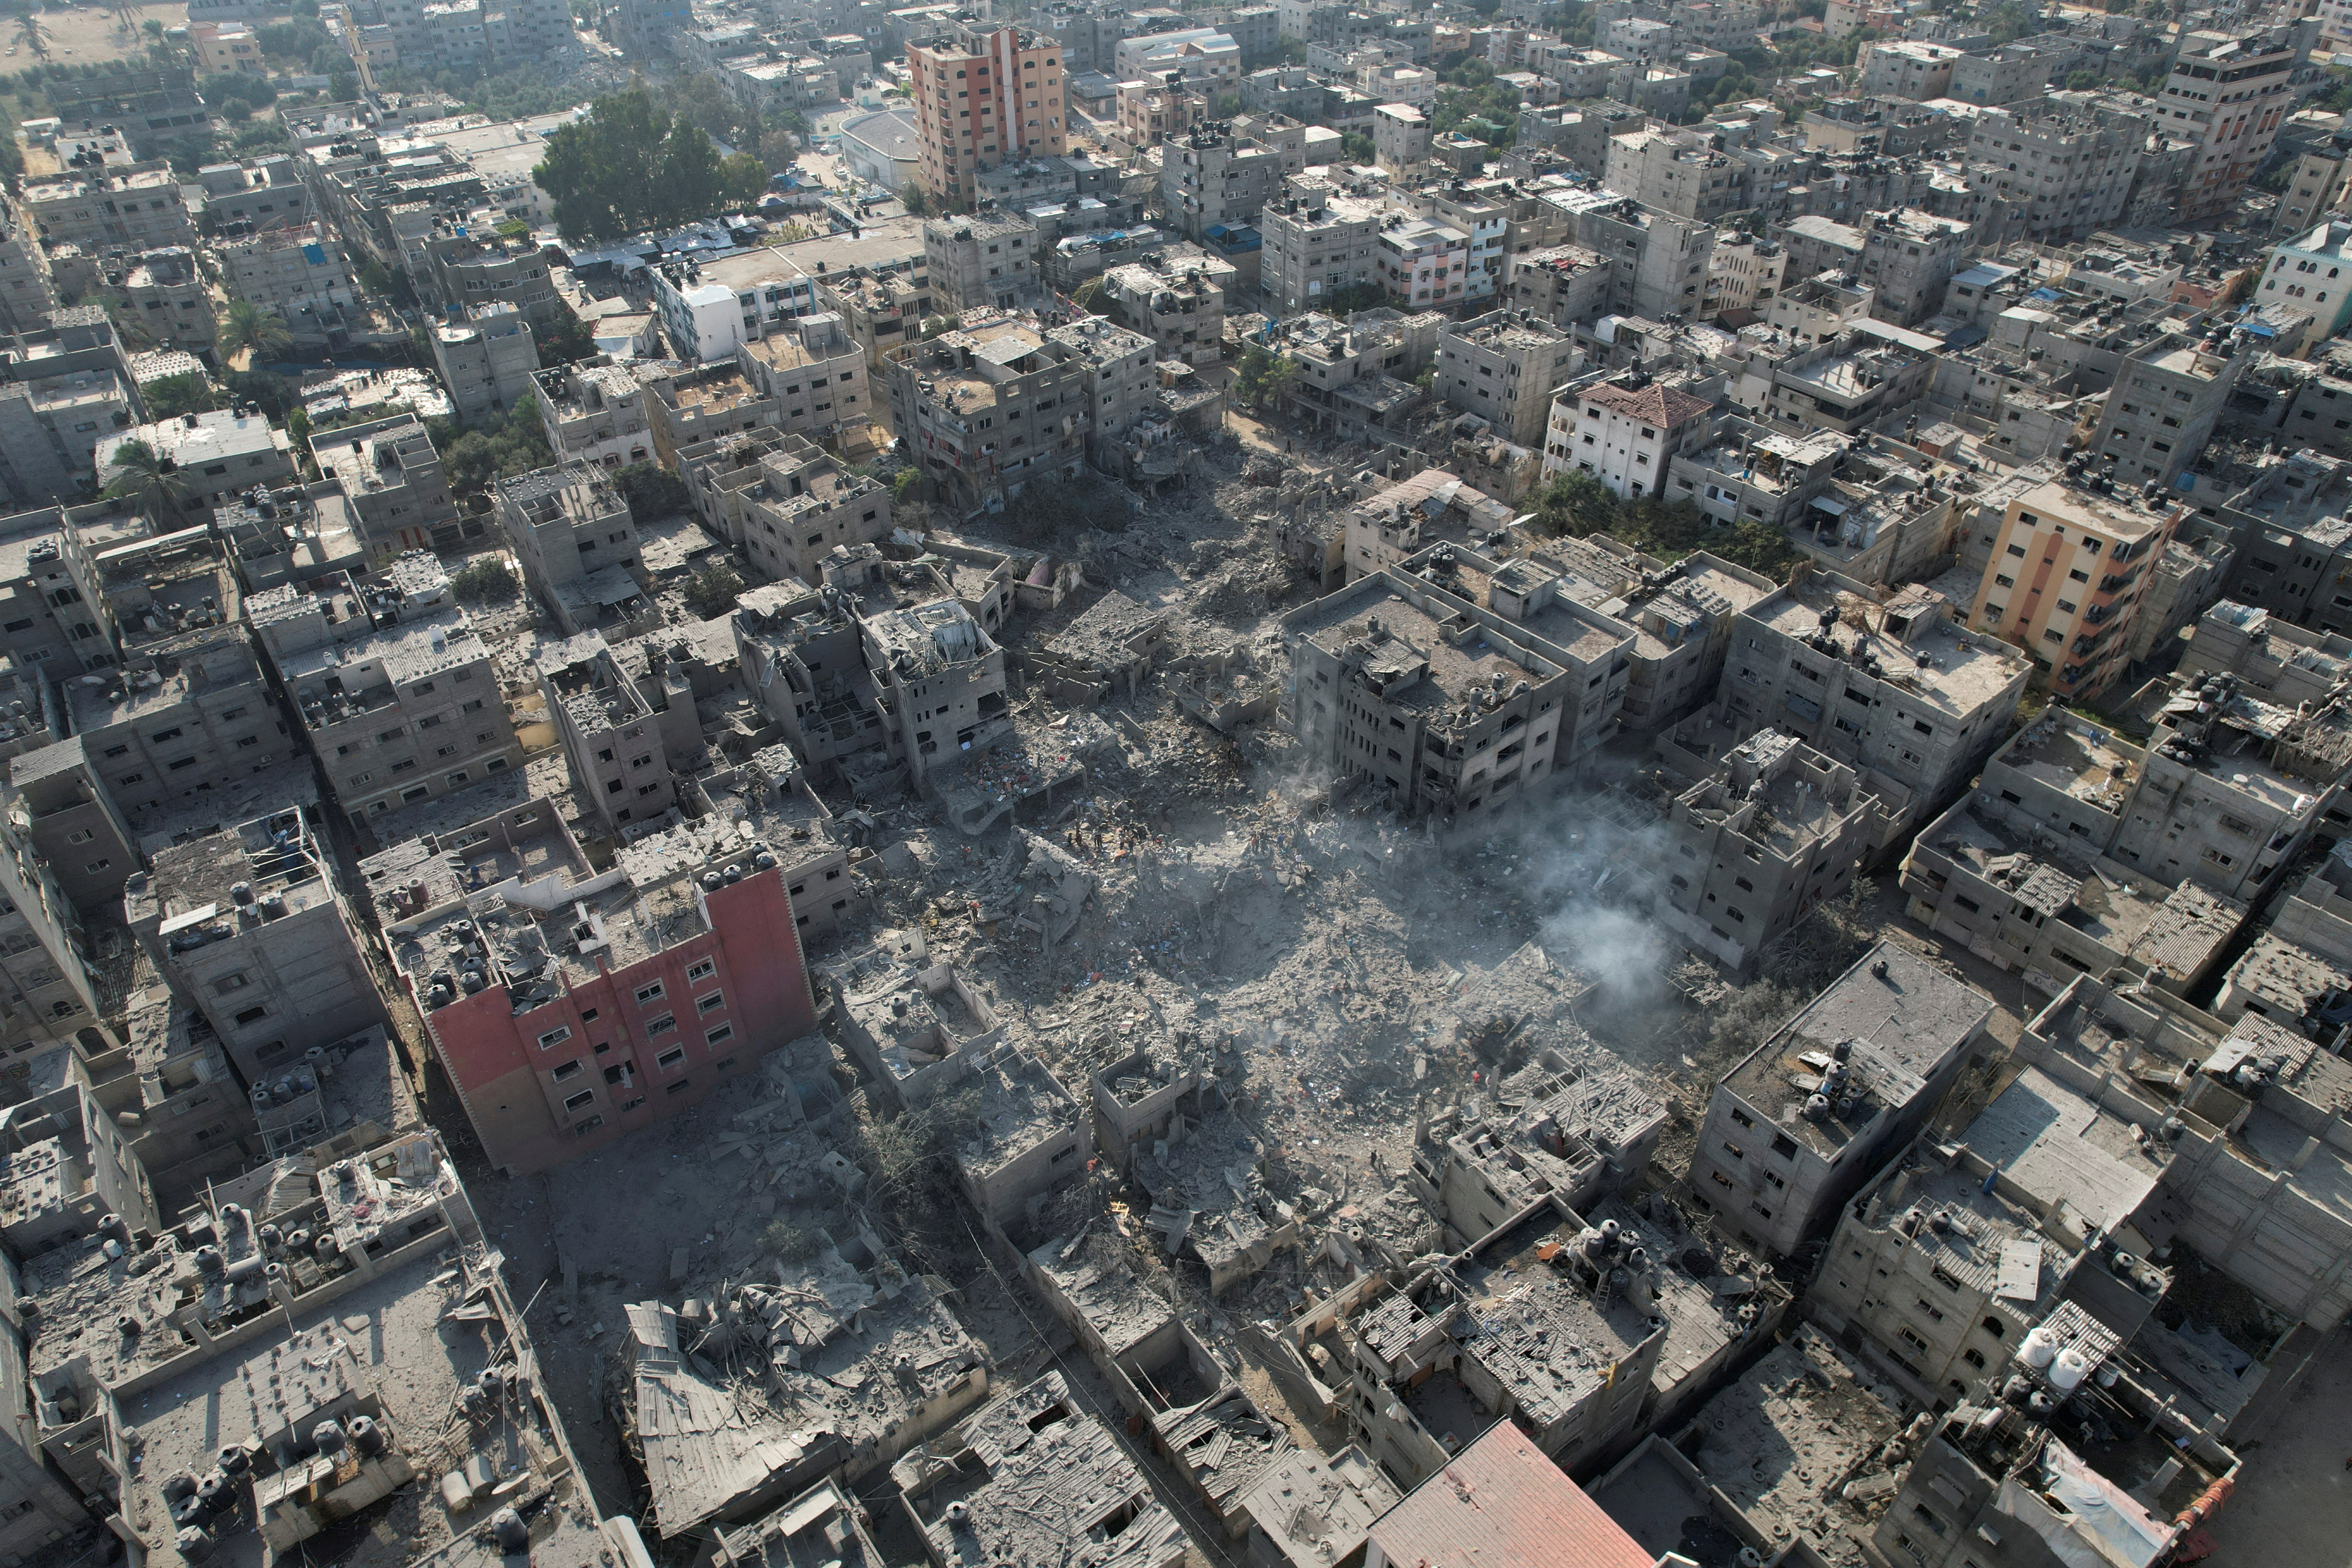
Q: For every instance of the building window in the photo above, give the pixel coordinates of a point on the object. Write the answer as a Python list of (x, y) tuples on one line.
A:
[(581, 1101), (652, 993), (710, 1004), (670, 1057), (719, 1036), (555, 1036), (661, 1025), (569, 1070), (702, 970)]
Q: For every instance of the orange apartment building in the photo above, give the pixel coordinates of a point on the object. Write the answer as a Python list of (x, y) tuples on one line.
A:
[(2069, 568), (984, 95)]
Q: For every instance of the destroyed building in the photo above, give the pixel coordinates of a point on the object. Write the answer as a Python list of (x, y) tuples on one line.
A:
[(628, 729), (1836, 1439), (1745, 854), (1900, 691), (1032, 1475), (854, 1358), (2082, 1466), (1448, 707), (1551, 1323)]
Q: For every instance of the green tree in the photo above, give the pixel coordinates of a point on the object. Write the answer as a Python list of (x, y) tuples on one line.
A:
[(1261, 376), (917, 200), (276, 397), (566, 341), (487, 581), (1576, 503), (629, 165), (1356, 147), (342, 87), (1344, 303), (176, 395), (247, 329), (148, 478), (297, 431), (651, 491), (713, 591), (500, 447), (1088, 297), (32, 36)]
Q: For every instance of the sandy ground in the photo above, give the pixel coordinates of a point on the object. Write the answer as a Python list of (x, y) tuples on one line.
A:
[(81, 35)]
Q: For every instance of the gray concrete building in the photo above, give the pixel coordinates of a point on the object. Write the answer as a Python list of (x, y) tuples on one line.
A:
[(1908, 258), (189, 712), (1217, 176), (1476, 725), (487, 361), (573, 536), (1776, 1161), (783, 501), (627, 721), (249, 924), (981, 261), (1903, 692), (1503, 366), (1746, 852), (218, 455), (2161, 410), (399, 695), (1316, 243), (394, 487)]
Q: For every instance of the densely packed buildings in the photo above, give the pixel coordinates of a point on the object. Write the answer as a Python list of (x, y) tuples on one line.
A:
[(1154, 685)]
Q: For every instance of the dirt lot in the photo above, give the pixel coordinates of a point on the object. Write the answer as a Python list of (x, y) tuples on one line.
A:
[(85, 34)]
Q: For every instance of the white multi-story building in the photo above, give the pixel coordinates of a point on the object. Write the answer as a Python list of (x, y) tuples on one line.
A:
[(1624, 432)]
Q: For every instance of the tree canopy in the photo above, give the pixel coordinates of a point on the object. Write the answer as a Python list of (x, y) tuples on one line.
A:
[(1576, 503), (630, 166)]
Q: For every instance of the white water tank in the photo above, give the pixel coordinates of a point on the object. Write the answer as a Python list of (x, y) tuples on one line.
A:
[(2066, 1373), (2040, 1349)]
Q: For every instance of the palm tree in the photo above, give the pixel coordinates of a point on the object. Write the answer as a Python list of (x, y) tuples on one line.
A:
[(150, 478), (246, 328), (127, 326), (31, 35)]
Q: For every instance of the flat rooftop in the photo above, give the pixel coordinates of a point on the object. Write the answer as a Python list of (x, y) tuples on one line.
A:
[(1780, 1442), (1539, 1332), (384, 1347), (1961, 673), (1453, 674), (2076, 759), (1898, 1030), (2055, 1144)]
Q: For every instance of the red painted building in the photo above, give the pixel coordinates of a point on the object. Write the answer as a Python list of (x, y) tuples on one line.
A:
[(568, 1007)]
